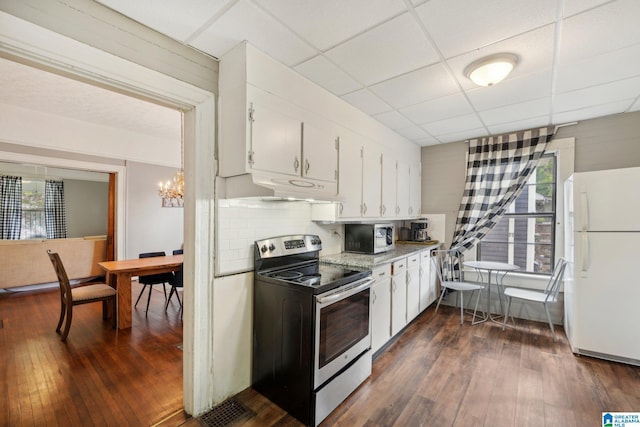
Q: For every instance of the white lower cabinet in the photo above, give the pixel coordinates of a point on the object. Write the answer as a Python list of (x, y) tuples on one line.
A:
[(413, 287), (381, 307), (398, 295), (428, 285)]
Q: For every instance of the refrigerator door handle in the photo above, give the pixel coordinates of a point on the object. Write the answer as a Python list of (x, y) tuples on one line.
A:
[(586, 258), (585, 210)]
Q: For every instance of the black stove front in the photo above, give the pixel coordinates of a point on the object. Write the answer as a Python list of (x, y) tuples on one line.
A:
[(305, 352)]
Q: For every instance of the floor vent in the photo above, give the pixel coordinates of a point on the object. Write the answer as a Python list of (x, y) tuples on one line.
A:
[(225, 414)]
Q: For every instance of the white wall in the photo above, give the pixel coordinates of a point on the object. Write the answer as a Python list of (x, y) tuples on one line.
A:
[(87, 207), (149, 226)]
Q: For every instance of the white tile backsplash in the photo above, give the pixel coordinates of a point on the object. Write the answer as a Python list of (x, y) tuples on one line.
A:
[(241, 222)]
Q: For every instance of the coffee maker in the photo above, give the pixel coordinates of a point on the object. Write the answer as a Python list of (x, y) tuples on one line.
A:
[(419, 231)]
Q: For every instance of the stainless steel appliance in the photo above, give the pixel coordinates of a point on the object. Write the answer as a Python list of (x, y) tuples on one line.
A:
[(419, 231), (368, 238), (311, 327)]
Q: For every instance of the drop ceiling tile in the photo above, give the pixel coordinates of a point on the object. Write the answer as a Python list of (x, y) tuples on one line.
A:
[(417, 86), (413, 132), (571, 7), (246, 22), (602, 94), (321, 71), (534, 50), (391, 49), (592, 112), (519, 125), (424, 142), (459, 26), (438, 109), (462, 135), (393, 120), (329, 22), (517, 112), (178, 20), (603, 29), (510, 91), (454, 124), (366, 101), (617, 65)]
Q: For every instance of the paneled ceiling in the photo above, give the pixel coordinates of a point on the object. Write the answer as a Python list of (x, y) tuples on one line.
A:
[(402, 61)]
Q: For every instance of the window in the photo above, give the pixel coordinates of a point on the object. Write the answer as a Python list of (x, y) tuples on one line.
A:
[(33, 222), (525, 235)]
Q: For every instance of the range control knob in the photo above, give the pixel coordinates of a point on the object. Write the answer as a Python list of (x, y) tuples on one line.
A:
[(271, 247), (316, 241), (263, 249)]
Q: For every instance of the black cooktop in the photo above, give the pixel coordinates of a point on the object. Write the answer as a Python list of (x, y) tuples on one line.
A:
[(315, 277)]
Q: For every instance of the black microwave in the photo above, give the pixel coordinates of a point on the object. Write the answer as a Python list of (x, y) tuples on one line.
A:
[(368, 238)]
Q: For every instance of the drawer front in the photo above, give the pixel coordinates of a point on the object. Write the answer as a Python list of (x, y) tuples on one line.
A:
[(381, 272), (399, 267)]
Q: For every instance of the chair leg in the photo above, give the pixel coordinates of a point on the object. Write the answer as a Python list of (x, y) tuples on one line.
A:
[(506, 314), (166, 305), (148, 301), (67, 325), (164, 288), (553, 332), (139, 295), (114, 313), (475, 309), (440, 299), (461, 307), (62, 311), (105, 310)]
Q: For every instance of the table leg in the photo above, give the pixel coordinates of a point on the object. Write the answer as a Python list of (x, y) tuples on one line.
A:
[(124, 300)]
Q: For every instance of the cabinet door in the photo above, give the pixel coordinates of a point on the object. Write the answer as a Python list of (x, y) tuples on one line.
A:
[(276, 141), (428, 292), (414, 189), (413, 287), (388, 208), (320, 153), (398, 296), (381, 307), (402, 190), (350, 178), (371, 181)]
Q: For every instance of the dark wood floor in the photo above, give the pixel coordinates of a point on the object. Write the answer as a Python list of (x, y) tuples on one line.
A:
[(100, 376), (437, 373)]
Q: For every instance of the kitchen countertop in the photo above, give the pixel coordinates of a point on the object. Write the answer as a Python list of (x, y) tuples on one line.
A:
[(369, 261)]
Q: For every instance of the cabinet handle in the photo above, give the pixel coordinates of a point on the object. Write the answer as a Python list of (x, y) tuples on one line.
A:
[(410, 210), (382, 273), (375, 297), (296, 164), (384, 209), (306, 166), (364, 208), (341, 208)]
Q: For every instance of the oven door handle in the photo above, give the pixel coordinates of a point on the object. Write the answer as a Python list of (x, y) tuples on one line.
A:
[(347, 293)]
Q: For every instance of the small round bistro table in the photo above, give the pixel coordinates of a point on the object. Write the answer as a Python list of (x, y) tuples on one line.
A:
[(499, 270)]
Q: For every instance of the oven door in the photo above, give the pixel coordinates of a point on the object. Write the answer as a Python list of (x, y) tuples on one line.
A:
[(343, 328)]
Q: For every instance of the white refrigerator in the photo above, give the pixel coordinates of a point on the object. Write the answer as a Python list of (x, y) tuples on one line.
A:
[(602, 244)]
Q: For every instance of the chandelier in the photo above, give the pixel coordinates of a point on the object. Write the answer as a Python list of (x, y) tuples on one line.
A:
[(172, 191)]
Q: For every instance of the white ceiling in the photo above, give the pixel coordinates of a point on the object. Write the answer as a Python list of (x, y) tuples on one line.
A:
[(402, 61)]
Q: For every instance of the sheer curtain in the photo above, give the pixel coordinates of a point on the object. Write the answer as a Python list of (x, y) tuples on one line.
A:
[(10, 207), (54, 212), (497, 170)]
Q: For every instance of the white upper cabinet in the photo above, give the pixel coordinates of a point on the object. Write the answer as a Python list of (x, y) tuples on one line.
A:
[(414, 189), (275, 140), (371, 180), (402, 190), (319, 152), (350, 177), (388, 206)]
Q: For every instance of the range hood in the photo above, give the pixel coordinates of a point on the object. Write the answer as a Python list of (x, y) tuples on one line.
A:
[(269, 185)]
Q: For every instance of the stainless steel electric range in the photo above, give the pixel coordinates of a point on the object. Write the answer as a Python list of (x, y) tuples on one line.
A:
[(311, 327)]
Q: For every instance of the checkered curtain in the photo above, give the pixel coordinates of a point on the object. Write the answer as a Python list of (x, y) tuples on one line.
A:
[(10, 207), (54, 213), (497, 170)]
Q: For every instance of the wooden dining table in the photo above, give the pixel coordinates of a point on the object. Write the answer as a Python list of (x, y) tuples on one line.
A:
[(119, 275)]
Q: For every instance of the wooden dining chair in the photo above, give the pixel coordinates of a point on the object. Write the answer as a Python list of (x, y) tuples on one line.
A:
[(176, 282), (82, 294)]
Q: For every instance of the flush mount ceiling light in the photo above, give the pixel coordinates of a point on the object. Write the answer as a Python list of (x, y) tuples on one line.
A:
[(491, 69)]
